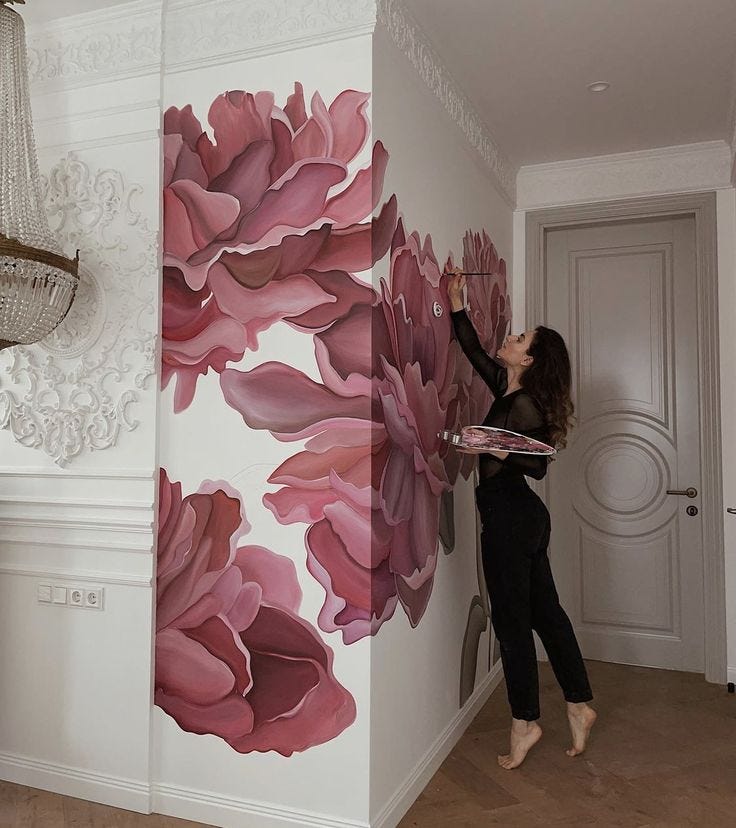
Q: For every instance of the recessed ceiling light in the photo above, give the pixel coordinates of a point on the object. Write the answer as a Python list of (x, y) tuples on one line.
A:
[(598, 86)]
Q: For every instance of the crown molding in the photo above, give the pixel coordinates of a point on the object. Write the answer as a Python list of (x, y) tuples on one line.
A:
[(677, 169), (415, 45), (120, 42), (198, 35), (655, 154)]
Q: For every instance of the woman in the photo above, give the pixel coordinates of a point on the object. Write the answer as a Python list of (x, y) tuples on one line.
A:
[(532, 397)]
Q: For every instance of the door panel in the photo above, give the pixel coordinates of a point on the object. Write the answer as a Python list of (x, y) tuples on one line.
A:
[(627, 558)]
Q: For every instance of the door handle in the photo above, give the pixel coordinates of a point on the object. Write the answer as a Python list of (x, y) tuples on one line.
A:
[(731, 511), (691, 491)]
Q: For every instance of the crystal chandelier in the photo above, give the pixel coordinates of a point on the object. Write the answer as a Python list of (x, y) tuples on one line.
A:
[(37, 282)]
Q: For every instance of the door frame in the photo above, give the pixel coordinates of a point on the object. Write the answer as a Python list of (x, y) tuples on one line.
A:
[(702, 207)]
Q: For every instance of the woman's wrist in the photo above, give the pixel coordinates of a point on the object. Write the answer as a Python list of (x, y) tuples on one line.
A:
[(456, 304)]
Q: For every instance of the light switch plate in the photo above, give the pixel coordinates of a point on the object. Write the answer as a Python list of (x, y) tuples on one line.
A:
[(43, 593), (59, 595)]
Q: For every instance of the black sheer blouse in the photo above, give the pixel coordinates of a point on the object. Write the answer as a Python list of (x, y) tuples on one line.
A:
[(517, 411)]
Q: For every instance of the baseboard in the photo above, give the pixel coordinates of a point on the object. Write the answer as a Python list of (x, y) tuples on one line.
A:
[(229, 812), (405, 796), (118, 791)]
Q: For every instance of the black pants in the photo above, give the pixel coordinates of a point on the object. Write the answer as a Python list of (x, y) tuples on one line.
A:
[(516, 530)]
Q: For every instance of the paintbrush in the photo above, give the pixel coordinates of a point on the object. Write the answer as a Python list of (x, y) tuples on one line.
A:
[(469, 273)]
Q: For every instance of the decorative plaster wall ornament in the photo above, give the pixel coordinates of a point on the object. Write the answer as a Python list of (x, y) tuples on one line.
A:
[(37, 282), (116, 42), (73, 392), (208, 33)]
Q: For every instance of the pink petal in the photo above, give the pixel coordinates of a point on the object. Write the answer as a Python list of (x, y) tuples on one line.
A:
[(295, 108), (231, 718), (258, 309), (414, 601), (348, 292), (298, 505), (295, 201), (248, 177), (237, 122), (275, 575), (293, 255), (355, 202), (353, 527), (185, 668), (310, 470), (183, 122), (266, 395), (349, 580), (209, 213), (297, 701), (224, 643), (351, 124)]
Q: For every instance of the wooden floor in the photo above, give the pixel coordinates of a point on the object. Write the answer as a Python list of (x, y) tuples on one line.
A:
[(663, 755)]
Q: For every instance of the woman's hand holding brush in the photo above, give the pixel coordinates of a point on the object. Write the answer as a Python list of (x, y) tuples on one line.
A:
[(455, 286)]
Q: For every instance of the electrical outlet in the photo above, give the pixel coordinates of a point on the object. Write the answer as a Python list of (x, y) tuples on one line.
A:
[(43, 593), (76, 597), (94, 598)]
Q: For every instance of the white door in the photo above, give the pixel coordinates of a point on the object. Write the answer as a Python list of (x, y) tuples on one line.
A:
[(626, 555)]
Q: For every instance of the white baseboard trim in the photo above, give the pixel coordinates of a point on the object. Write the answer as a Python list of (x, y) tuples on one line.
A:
[(731, 674), (117, 791), (405, 796), (229, 812)]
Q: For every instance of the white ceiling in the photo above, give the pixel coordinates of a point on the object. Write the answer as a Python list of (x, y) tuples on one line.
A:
[(525, 64)]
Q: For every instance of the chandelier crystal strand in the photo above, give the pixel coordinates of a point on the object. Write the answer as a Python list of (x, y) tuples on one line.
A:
[(37, 282)]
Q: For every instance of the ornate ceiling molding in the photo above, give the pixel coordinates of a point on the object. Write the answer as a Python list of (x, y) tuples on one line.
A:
[(115, 43), (413, 43), (198, 34), (72, 393)]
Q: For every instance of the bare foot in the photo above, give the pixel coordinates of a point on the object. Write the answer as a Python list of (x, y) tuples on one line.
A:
[(524, 735), (581, 718)]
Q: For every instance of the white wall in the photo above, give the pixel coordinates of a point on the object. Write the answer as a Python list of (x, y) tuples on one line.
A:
[(690, 168), (200, 776), (75, 684), (443, 189)]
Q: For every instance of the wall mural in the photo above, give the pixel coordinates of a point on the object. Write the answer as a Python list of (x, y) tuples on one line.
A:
[(270, 224), (233, 657)]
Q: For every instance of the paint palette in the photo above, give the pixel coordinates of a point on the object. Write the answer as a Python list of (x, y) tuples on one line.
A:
[(486, 438)]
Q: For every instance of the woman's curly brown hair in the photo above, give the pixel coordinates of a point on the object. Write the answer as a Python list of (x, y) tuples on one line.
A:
[(548, 380)]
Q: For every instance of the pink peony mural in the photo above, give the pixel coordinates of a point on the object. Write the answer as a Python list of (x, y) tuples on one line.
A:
[(263, 224), (233, 657), (269, 224), (370, 476)]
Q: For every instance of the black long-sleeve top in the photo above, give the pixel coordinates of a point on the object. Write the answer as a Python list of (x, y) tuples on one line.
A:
[(517, 411)]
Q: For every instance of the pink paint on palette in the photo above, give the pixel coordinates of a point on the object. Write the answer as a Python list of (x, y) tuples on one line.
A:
[(487, 438)]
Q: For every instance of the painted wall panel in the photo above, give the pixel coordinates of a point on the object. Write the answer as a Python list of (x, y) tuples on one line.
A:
[(442, 194)]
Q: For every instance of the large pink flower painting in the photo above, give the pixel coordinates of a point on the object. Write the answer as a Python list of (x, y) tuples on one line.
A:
[(264, 224), (268, 224), (370, 476), (233, 657)]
